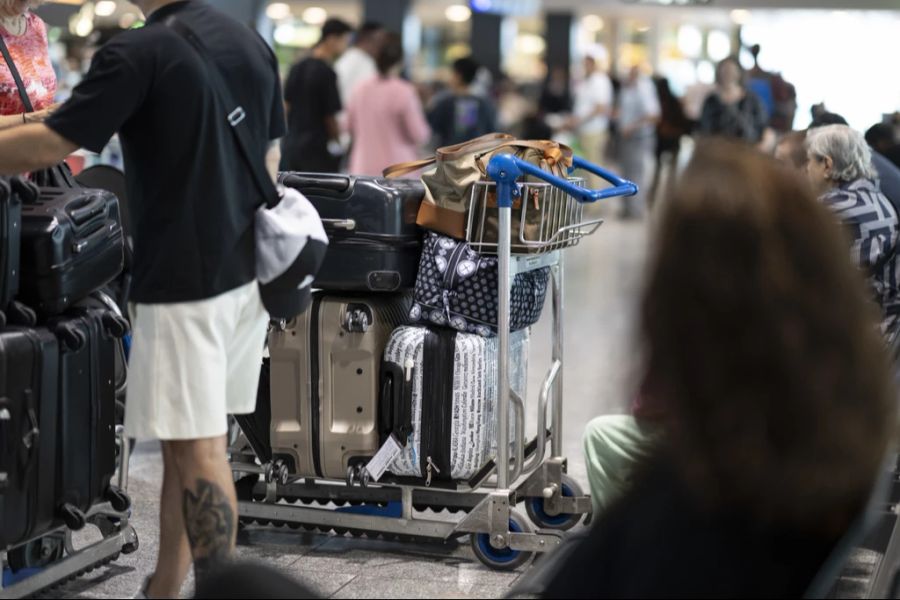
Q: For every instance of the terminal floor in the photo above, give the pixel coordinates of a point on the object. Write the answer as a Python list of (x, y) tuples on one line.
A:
[(603, 278)]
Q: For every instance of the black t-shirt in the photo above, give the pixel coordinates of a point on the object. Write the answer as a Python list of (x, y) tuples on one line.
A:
[(459, 118), (311, 92), (192, 199)]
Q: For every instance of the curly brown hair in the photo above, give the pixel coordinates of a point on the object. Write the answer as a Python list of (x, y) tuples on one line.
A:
[(759, 335)]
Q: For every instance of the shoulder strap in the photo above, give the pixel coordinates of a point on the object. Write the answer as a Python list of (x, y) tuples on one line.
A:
[(235, 114), (405, 168), (23, 94)]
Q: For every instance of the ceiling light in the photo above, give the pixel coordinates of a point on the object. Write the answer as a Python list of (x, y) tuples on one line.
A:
[(278, 11), (315, 15), (458, 13), (105, 8), (643, 28), (83, 26), (592, 22), (740, 16)]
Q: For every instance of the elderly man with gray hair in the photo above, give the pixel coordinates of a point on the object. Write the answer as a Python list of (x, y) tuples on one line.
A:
[(841, 172)]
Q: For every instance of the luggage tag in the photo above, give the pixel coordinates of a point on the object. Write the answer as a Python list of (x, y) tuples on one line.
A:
[(391, 448)]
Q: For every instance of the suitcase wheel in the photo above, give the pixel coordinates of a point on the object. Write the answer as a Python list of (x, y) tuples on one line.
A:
[(73, 517), (70, 335), (20, 314), (118, 499), (116, 325)]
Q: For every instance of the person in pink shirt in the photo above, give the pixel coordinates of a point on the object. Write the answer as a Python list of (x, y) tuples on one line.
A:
[(385, 116)]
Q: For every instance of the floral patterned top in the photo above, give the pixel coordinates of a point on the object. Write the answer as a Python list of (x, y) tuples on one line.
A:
[(31, 55)]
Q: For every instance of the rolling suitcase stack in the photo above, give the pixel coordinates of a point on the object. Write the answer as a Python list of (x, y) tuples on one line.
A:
[(374, 242), (325, 382)]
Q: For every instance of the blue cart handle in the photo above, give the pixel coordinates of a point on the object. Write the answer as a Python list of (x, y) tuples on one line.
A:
[(506, 169)]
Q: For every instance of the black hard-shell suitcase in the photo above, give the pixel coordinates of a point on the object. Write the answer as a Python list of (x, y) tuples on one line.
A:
[(72, 245), (10, 241), (29, 367), (88, 343), (371, 224)]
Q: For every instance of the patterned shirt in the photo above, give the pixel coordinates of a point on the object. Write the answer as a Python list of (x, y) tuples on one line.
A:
[(31, 56), (873, 225)]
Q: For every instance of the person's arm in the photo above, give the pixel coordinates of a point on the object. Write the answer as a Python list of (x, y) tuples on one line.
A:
[(7, 121), (44, 146), (333, 107)]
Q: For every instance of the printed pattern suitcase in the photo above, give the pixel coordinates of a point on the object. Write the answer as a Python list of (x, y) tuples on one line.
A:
[(28, 436), (454, 399), (72, 245), (325, 380), (374, 242), (89, 346)]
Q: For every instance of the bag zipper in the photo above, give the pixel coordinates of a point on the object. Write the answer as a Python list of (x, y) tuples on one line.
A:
[(437, 403), (450, 276), (314, 400)]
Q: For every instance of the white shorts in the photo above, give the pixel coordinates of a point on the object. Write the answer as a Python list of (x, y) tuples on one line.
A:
[(192, 364)]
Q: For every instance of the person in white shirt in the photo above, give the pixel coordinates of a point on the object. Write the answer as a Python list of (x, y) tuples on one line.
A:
[(592, 108), (637, 116), (357, 64)]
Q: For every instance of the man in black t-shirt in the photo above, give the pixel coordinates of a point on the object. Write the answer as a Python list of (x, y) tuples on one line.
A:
[(313, 102), (199, 324)]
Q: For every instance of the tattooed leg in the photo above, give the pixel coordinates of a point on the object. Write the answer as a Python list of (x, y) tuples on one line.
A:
[(210, 521), (208, 502)]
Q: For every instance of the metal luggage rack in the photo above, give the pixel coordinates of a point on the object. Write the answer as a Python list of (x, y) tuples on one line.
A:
[(523, 471), (52, 557)]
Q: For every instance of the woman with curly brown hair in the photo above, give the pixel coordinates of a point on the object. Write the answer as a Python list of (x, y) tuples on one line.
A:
[(761, 347)]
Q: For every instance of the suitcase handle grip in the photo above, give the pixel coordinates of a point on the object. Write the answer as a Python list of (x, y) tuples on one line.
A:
[(329, 183), (85, 209), (344, 224), (396, 402)]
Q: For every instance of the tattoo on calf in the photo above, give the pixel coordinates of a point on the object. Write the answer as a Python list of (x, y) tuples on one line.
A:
[(209, 521)]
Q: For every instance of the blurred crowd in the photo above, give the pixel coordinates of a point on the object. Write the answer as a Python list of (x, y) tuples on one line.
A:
[(353, 110)]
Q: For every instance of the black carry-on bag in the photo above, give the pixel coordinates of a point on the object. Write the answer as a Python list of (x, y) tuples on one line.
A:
[(374, 242)]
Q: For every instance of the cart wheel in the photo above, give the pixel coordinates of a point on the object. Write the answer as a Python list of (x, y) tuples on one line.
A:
[(561, 522), (37, 554), (502, 559)]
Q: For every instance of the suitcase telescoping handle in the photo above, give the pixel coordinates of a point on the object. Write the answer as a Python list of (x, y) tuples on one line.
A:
[(506, 169)]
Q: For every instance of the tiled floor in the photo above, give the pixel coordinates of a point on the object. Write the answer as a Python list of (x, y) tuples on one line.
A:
[(603, 278)]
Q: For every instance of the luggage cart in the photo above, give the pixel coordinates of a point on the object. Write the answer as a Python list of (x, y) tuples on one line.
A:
[(549, 218), (51, 559)]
